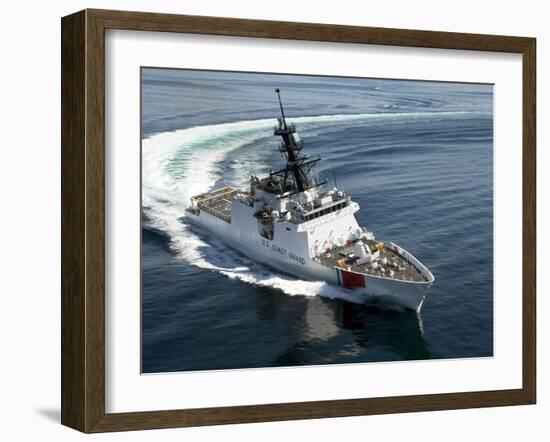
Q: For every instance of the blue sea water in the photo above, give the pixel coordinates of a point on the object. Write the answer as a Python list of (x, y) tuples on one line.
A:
[(417, 156)]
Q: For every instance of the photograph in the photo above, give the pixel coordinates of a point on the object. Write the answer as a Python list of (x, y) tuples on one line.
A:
[(259, 222), (302, 220)]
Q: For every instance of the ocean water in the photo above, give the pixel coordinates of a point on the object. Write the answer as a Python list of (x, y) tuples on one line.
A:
[(418, 158)]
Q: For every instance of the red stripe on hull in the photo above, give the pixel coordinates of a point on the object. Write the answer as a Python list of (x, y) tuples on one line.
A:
[(351, 280)]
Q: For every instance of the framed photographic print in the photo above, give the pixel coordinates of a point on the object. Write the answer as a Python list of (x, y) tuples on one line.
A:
[(270, 220)]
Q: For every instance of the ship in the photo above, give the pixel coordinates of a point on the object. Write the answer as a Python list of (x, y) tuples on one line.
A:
[(295, 223)]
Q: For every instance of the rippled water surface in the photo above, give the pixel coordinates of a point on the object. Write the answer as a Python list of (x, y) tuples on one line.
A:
[(417, 157)]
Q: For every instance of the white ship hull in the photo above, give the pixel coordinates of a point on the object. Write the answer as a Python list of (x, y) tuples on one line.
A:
[(290, 257)]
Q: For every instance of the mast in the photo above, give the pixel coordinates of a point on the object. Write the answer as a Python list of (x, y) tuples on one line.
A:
[(281, 105), (291, 147)]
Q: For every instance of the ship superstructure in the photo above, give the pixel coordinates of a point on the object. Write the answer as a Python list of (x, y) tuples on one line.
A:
[(291, 222)]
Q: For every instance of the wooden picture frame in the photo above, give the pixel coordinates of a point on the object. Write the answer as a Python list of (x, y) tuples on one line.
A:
[(83, 220)]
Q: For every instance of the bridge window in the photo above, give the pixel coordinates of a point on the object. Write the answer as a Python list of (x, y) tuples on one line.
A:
[(326, 211)]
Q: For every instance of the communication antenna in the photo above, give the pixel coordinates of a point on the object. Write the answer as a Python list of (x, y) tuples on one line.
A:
[(331, 161), (281, 105)]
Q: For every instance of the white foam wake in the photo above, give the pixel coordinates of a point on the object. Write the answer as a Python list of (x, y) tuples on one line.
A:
[(180, 164)]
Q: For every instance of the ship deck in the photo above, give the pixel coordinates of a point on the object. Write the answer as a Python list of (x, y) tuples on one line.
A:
[(343, 257), (217, 202)]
